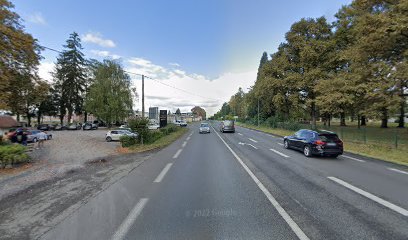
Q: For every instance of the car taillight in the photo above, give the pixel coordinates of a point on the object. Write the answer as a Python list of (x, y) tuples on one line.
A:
[(319, 142)]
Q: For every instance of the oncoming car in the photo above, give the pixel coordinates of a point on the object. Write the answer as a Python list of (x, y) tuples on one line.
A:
[(114, 135), (323, 143), (204, 128)]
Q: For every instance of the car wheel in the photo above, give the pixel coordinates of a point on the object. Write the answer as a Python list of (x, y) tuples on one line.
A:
[(334, 156), (34, 140), (286, 144), (307, 151), (108, 139)]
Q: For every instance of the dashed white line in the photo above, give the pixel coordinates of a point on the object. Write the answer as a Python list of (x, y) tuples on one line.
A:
[(381, 201), (188, 138), (252, 145), (397, 170), (161, 175), (252, 140), (240, 134), (292, 224), (352, 158), (184, 144), (177, 153), (280, 144), (277, 152), (130, 219)]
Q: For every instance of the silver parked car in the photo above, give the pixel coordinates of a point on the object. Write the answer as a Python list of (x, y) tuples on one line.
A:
[(114, 135), (204, 128)]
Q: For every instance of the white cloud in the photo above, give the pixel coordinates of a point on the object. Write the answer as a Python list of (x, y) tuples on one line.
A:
[(97, 39), (45, 69), (174, 64), (202, 91), (36, 18), (105, 54)]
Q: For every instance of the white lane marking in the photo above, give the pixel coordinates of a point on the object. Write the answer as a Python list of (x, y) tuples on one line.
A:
[(397, 170), (177, 153), (277, 152), (240, 134), (371, 196), (355, 159), (188, 138), (161, 175), (252, 140), (252, 145), (292, 224), (130, 219), (184, 144), (280, 144)]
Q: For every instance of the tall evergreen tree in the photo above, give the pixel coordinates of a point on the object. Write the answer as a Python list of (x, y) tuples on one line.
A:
[(70, 74)]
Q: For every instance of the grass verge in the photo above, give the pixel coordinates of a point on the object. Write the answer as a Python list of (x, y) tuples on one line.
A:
[(160, 143), (377, 151)]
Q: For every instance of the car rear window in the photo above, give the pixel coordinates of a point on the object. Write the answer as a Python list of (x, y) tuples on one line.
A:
[(204, 124), (228, 123), (328, 137)]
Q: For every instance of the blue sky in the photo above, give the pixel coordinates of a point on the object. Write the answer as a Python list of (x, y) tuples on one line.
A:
[(206, 39)]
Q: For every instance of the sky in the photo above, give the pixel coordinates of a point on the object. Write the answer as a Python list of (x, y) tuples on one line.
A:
[(206, 48)]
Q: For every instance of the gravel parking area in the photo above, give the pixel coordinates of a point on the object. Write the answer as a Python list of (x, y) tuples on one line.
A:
[(75, 147), (66, 151)]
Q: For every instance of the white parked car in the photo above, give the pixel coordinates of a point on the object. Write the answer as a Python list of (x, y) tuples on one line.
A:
[(183, 123), (153, 126), (114, 135), (204, 128)]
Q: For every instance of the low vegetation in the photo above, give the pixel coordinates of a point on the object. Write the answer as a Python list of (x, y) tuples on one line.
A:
[(11, 154)]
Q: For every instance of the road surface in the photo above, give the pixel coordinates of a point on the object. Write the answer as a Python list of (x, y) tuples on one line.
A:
[(245, 185)]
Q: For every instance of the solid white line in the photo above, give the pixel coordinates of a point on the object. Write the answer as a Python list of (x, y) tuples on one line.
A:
[(371, 196), (280, 144), (355, 159), (184, 144), (160, 177), (292, 224), (277, 152), (177, 153), (396, 170), (130, 219), (240, 134), (252, 145), (252, 140)]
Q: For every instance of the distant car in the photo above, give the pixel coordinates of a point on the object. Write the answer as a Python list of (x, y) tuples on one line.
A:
[(183, 123), (177, 122), (204, 128), (114, 135), (60, 127), (87, 126), (227, 126), (153, 126), (310, 142), (74, 126), (43, 127)]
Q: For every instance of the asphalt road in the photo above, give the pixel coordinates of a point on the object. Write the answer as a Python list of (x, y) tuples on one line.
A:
[(245, 186)]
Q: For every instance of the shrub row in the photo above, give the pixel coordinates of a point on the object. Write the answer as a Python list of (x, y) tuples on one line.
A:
[(12, 154), (148, 135)]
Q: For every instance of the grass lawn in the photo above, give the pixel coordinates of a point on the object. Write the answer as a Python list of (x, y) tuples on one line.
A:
[(377, 143), (161, 142)]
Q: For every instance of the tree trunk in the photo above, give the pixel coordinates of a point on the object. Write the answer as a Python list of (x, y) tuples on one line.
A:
[(18, 117), (401, 121), (329, 120), (384, 118), (61, 117), (342, 119), (28, 119), (38, 117), (363, 121), (313, 113), (85, 116), (358, 122), (69, 115)]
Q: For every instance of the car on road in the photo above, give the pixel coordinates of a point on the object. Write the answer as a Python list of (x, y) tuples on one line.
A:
[(114, 135), (204, 128), (44, 127), (227, 126), (311, 142), (33, 135)]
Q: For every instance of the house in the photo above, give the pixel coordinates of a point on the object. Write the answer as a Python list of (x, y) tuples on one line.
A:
[(7, 122)]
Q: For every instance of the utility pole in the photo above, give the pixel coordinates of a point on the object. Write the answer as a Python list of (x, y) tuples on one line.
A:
[(258, 112), (143, 107)]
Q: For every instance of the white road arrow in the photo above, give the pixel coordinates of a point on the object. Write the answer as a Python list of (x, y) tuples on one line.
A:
[(241, 143)]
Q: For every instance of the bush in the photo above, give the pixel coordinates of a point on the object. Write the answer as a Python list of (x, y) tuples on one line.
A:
[(12, 154), (170, 128), (127, 141), (153, 136)]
